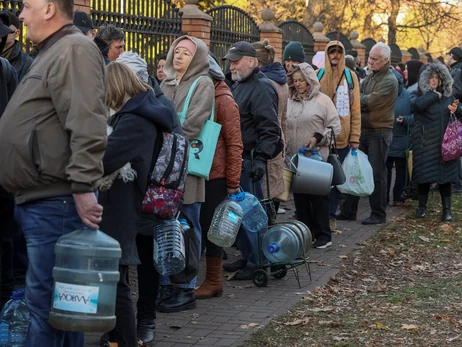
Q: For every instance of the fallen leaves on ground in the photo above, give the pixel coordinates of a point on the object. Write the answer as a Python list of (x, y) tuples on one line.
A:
[(302, 321), (250, 325)]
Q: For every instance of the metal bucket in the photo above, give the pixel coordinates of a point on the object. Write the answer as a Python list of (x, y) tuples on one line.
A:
[(287, 175), (311, 176)]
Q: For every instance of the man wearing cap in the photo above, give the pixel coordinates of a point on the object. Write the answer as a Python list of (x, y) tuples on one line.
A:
[(261, 136), (12, 51), (293, 54), (83, 21), (358, 69), (52, 143), (336, 85)]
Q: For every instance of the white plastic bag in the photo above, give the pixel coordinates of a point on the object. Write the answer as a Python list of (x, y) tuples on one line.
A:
[(358, 173)]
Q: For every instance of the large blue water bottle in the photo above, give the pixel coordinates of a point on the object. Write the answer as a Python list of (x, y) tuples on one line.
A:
[(169, 248), (255, 217), (310, 153), (226, 221), (85, 277), (14, 321)]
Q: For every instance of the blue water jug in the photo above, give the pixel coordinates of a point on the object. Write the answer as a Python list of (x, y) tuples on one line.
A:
[(283, 243), (14, 321), (310, 153), (226, 222), (169, 249), (255, 217), (85, 278)]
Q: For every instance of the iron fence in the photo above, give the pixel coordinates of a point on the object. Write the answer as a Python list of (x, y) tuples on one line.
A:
[(16, 7), (230, 24), (150, 26), (296, 31)]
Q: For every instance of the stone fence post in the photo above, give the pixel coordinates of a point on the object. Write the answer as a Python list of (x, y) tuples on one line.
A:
[(271, 32), (405, 56), (358, 47), (320, 40), (195, 22)]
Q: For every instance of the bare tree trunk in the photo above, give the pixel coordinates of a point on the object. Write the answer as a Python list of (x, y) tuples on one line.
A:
[(392, 28)]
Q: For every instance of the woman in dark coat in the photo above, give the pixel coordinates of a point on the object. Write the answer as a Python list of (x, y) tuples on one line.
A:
[(432, 105), (135, 116), (400, 143)]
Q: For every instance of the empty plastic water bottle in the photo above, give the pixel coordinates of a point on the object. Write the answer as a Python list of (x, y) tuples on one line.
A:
[(15, 320), (226, 222), (85, 277), (283, 243), (254, 218), (169, 248)]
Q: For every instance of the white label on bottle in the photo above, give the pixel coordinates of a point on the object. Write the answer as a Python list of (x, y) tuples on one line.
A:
[(233, 217), (75, 298)]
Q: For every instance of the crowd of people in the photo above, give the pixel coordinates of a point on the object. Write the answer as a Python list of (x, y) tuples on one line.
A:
[(86, 112)]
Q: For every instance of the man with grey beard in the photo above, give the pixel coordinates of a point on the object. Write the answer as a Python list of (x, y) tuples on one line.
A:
[(261, 136)]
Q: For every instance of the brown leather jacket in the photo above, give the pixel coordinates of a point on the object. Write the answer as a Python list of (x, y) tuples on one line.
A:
[(227, 162)]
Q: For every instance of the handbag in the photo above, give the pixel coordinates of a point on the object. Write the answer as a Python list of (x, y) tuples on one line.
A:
[(192, 255), (202, 149), (451, 146), (338, 176)]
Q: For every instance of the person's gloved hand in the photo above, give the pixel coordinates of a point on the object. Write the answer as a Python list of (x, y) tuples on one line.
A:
[(258, 169)]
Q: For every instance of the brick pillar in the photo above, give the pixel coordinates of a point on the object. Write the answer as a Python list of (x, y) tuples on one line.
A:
[(320, 40), (271, 32), (406, 56), (358, 47), (82, 5), (195, 22)]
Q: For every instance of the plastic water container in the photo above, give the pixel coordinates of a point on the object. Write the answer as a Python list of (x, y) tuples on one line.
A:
[(15, 320), (226, 222), (85, 277), (310, 153), (169, 248), (283, 243), (255, 217)]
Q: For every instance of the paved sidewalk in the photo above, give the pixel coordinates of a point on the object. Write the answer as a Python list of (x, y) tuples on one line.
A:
[(223, 321)]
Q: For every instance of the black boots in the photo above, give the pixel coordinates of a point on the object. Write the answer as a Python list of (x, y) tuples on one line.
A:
[(422, 209), (146, 331), (183, 299), (446, 217)]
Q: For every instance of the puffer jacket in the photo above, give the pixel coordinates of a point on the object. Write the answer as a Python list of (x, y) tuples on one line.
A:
[(401, 139), (227, 162), (309, 114), (431, 117)]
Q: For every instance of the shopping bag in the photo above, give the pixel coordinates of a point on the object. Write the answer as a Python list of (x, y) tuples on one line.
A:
[(358, 173), (451, 147), (202, 149)]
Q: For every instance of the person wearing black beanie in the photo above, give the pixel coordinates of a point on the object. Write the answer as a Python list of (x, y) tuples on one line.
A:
[(411, 72), (293, 54)]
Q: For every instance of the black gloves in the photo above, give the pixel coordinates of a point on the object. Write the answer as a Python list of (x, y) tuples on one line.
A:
[(258, 169)]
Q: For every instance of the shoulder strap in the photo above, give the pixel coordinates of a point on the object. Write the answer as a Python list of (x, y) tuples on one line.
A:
[(349, 79), (183, 112), (320, 73)]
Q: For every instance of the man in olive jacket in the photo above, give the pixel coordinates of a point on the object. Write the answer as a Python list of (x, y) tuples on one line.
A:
[(379, 92), (52, 143)]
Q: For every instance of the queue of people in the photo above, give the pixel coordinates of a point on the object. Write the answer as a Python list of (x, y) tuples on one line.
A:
[(77, 137)]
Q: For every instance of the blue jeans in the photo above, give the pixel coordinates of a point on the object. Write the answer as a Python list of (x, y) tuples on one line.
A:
[(247, 241), (334, 192), (43, 222), (193, 212)]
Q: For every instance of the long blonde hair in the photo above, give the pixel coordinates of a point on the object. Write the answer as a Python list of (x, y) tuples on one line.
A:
[(122, 83)]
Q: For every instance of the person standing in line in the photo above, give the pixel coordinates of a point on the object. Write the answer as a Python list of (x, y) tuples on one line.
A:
[(52, 143)]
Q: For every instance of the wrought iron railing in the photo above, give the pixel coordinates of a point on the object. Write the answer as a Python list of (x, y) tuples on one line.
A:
[(150, 26), (230, 24), (16, 8), (296, 31)]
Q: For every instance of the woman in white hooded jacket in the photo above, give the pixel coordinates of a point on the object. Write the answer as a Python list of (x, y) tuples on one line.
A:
[(310, 115)]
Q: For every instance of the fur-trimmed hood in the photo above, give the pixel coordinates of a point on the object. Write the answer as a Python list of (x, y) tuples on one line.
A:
[(443, 74)]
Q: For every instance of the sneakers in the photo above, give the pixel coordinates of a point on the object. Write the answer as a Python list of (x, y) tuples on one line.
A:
[(320, 244), (373, 221), (235, 266), (246, 273), (281, 211)]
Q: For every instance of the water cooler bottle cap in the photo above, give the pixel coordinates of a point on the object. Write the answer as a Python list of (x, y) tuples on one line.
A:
[(18, 294), (237, 197), (354, 152), (273, 248)]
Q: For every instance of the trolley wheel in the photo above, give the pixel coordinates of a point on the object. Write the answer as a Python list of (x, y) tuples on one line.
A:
[(279, 271), (260, 278)]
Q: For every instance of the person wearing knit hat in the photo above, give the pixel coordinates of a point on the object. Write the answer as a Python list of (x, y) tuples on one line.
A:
[(293, 54), (188, 44), (275, 72)]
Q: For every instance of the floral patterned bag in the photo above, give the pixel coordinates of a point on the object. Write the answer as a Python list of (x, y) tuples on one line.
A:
[(451, 148)]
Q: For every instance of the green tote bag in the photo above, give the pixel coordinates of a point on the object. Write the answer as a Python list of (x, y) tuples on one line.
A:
[(202, 149)]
